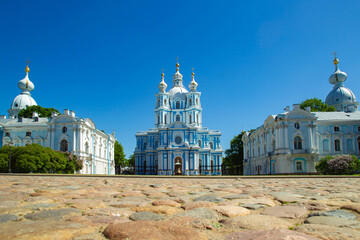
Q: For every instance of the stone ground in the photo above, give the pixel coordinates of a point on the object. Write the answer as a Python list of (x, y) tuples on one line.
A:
[(42, 207)]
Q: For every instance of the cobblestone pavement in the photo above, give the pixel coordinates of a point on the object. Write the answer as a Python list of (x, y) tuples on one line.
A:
[(39, 207)]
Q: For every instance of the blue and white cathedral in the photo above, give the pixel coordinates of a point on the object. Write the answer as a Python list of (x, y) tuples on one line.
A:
[(178, 145)]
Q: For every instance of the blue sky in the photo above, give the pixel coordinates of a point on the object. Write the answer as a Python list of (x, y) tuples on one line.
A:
[(103, 59)]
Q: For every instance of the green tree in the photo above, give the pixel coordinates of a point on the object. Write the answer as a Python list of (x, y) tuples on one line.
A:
[(43, 112), (316, 105), (119, 157), (233, 160)]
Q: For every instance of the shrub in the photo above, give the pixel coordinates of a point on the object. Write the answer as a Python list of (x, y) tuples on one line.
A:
[(37, 159), (338, 165)]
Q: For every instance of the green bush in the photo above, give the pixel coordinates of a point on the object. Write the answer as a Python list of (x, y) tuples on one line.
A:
[(338, 165), (37, 159)]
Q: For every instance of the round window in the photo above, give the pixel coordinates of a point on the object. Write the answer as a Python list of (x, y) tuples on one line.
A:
[(64, 130), (16, 105), (297, 125), (178, 140)]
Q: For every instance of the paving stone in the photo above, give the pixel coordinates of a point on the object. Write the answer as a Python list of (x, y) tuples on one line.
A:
[(237, 196), (42, 230), (353, 207), (256, 221), (253, 206), (193, 205), (287, 197), (158, 209), (151, 230), (335, 213), (166, 202), (8, 218), (329, 232), (263, 201), (231, 211), (209, 198), (146, 216), (51, 214), (286, 212), (275, 234), (204, 213), (333, 221), (41, 206)]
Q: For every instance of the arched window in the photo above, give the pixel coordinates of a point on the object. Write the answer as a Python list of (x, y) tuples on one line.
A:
[(211, 145), (158, 119), (297, 125), (197, 102), (158, 103), (99, 152), (299, 166), (145, 144), (178, 118), (165, 116), (64, 129), (156, 144), (86, 147), (273, 145), (297, 143), (190, 118), (190, 102), (337, 145), (165, 102), (177, 105), (197, 118), (199, 143), (64, 145)]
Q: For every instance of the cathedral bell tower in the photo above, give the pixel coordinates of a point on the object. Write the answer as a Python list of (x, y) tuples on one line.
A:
[(193, 103), (162, 104)]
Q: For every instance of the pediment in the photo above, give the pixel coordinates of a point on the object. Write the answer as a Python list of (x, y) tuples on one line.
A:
[(299, 114), (63, 119)]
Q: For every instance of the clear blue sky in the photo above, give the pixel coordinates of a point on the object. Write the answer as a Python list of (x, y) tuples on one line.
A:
[(103, 59)]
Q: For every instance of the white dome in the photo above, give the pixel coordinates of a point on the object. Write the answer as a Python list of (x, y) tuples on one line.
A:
[(23, 100), (178, 92)]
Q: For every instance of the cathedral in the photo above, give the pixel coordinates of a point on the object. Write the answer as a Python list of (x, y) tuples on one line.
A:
[(292, 142), (178, 145), (65, 132)]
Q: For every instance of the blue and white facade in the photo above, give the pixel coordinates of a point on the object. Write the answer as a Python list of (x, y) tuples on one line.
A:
[(293, 141), (64, 132), (178, 145)]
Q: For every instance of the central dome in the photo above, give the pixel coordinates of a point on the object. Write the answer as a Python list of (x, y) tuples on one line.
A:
[(340, 95), (22, 101), (178, 92)]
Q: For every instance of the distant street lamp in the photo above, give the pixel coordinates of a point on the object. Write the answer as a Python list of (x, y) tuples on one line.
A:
[(10, 144)]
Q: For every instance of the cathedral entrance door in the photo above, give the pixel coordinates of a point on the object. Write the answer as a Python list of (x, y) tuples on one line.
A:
[(178, 166)]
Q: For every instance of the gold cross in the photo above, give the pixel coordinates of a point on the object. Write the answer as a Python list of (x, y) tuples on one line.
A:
[(192, 69), (177, 59), (335, 53), (27, 62), (162, 70)]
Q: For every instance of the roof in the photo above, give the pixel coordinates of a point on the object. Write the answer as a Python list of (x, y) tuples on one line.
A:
[(337, 116), (25, 121)]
